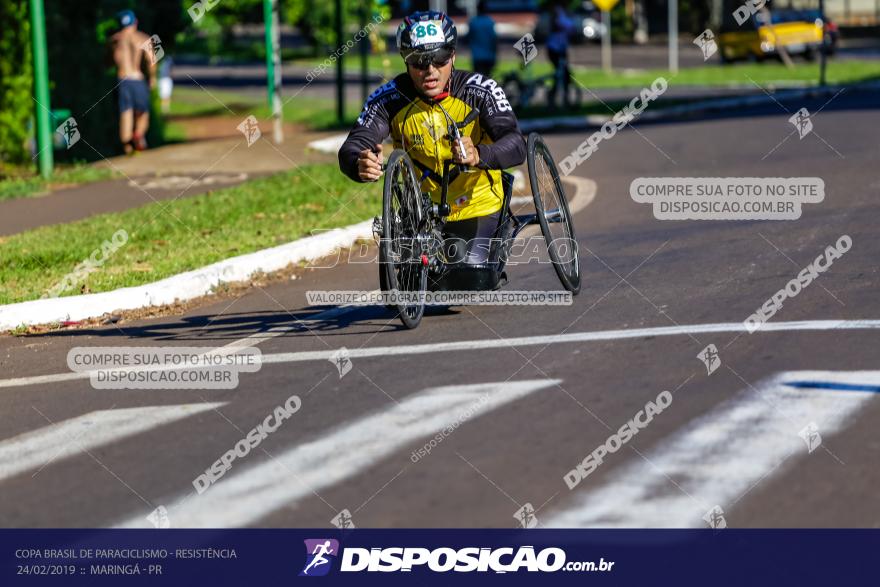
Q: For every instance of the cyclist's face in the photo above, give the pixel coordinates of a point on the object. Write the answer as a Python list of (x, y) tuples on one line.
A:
[(433, 80)]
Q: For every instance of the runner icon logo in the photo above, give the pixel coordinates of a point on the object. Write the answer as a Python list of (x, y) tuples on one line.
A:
[(715, 518), (69, 132), (710, 358), (320, 554), (526, 516), (810, 435), (153, 48), (342, 360), (343, 520), (706, 42), (250, 128), (527, 48), (159, 517), (802, 122)]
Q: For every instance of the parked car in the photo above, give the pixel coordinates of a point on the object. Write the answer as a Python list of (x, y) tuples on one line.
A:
[(592, 28), (832, 33), (760, 37)]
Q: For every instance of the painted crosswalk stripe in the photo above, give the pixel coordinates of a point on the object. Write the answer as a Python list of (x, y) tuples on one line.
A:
[(245, 496), (31, 451), (718, 457)]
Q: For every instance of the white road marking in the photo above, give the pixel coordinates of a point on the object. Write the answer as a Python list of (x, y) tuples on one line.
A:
[(248, 341), (570, 338), (38, 448), (584, 194), (467, 345), (718, 457), (248, 495)]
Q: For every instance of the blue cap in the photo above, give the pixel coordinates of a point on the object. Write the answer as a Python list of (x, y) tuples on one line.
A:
[(126, 18)]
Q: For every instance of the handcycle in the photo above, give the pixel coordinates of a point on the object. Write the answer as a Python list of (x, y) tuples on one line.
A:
[(412, 258)]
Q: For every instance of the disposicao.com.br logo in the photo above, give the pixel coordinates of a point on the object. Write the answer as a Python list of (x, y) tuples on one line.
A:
[(442, 560)]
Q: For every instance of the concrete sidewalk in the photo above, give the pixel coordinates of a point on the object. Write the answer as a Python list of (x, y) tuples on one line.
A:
[(225, 149)]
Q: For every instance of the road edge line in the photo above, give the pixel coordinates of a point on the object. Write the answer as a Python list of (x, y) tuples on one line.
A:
[(183, 286)]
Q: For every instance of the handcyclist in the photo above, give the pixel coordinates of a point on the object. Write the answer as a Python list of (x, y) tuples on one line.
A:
[(413, 109)]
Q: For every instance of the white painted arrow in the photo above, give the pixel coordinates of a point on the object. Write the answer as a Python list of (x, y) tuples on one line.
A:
[(717, 458), (35, 450), (246, 496)]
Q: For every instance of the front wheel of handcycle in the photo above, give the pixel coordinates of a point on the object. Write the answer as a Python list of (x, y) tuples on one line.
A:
[(402, 270), (554, 216)]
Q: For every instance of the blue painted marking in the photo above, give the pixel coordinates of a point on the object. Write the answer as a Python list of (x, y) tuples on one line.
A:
[(832, 385)]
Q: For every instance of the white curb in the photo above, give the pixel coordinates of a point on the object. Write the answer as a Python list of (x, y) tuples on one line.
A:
[(330, 144), (184, 286)]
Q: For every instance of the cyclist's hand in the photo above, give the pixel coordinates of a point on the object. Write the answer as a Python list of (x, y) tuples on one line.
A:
[(370, 164), (470, 156)]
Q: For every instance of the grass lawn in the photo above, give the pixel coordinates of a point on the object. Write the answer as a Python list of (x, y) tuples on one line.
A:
[(190, 102), (191, 233), (27, 184), (768, 73), (713, 73)]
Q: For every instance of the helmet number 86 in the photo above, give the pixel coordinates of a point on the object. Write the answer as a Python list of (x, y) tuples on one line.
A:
[(423, 30)]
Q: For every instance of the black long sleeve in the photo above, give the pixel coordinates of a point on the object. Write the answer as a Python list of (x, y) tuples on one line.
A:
[(371, 128), (508, 148)]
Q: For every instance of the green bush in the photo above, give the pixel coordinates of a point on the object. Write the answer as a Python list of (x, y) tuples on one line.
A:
[(16, 105)]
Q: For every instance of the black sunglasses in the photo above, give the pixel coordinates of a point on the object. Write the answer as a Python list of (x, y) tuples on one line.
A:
[(423, 61)]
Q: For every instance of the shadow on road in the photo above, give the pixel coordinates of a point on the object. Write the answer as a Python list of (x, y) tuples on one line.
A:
[(229, 327)]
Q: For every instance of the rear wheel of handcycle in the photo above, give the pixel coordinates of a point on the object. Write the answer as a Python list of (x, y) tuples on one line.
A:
[(401, 269), (554, 216)]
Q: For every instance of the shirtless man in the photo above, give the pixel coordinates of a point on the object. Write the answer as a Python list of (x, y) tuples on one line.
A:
[(131, 49)]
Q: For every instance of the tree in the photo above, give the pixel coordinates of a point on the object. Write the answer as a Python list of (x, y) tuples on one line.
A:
[(16, 79)]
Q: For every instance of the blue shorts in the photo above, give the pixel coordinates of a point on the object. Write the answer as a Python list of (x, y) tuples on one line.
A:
[(134, 93)]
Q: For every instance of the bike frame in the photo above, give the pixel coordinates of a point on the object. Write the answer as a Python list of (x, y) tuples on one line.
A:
[(520, 221), (436, 214)]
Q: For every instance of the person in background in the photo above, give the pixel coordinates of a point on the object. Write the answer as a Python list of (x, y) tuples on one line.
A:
[(562, 26), (132, 49), (166, 84), (483, 41)]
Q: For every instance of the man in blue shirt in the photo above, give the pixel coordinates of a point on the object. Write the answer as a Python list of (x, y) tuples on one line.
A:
[(561, 28), (483, 41)]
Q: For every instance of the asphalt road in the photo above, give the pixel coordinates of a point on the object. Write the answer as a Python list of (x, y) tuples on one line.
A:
[(518, 413), (250, 79)]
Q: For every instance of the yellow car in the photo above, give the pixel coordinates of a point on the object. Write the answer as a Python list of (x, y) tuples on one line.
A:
[(757, 39)]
